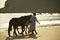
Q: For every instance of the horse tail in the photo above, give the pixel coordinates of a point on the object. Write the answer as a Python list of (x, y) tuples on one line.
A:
[(9, 28)]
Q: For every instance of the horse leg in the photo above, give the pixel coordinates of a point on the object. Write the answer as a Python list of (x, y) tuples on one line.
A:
[(9, 28), (9, 33), (26, 29), (23, 28), (15, 31), (18, 31)]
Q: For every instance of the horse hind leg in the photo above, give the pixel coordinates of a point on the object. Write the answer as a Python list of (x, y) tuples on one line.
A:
[(9, 33), (18, 31), (23, 29), (15, 32), (9, 29)]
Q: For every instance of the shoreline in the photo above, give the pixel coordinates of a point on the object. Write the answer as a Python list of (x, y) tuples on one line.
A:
[(42, 23), (44, 26)]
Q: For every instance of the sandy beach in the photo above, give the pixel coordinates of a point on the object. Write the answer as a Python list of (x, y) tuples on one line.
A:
[(44, 33)]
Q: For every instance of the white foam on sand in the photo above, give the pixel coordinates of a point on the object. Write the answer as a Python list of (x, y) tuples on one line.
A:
[(48, 22)]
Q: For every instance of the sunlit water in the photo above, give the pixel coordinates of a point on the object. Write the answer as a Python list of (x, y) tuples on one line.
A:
[(44, 19)]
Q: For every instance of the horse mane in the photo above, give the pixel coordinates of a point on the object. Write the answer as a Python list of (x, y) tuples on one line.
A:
[(24, 17)]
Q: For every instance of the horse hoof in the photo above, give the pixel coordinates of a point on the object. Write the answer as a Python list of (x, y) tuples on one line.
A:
[(9, 35), (16, 35)]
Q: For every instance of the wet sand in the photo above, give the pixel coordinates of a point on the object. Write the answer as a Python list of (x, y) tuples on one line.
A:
[(44, 33)]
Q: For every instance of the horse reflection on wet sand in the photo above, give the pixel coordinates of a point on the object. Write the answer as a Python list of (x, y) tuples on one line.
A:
[(22, 37), (21, 22)]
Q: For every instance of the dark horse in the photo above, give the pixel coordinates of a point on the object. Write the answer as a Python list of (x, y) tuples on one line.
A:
[(21, 22)]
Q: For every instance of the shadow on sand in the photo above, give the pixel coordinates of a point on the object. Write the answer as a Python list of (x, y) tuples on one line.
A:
[(21, 37)]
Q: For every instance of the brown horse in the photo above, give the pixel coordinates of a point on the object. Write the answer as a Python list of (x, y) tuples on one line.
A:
[(19, 22)]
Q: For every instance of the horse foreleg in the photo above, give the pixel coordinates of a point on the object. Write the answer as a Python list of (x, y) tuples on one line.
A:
[(26, 29)]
